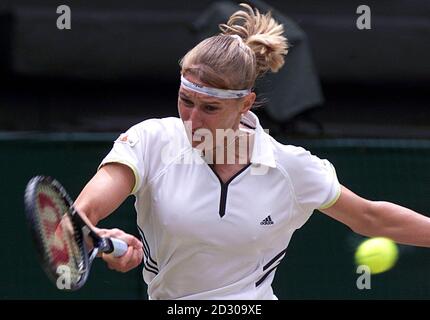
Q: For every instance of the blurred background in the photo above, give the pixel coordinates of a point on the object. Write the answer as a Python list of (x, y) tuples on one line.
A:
[(359, 98)]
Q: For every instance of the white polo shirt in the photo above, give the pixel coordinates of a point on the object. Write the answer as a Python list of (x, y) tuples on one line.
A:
[(204, 239)]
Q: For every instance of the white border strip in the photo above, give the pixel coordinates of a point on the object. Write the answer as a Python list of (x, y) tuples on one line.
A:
[(213, 92)]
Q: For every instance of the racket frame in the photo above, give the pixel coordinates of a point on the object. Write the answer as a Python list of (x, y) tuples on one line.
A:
[(80, 230)]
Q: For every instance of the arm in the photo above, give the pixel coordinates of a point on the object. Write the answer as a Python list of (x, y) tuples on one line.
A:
[(103, 194), (380, 218)]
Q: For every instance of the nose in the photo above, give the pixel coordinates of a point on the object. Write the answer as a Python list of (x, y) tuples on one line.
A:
[(195, 117)]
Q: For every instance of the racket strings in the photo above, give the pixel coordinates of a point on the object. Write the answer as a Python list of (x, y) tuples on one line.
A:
[(61, 243)]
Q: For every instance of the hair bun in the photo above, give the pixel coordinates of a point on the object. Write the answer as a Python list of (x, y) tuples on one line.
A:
[(262, 34)]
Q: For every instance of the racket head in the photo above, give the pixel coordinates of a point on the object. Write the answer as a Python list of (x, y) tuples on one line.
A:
[(58, 239)]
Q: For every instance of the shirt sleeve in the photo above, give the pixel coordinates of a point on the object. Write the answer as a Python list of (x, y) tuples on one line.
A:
[(314, 180), (128, 150)]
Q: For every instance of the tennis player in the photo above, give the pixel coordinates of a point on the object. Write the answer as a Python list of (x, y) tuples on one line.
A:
[(217, 198)]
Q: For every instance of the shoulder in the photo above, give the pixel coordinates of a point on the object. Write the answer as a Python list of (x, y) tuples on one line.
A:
[(301, 166), (158, 126), (292, 157), (314, 179), (156, 131), (153, 138), (149, 146)]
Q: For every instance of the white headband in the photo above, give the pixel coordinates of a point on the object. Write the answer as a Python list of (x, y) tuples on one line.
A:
[(214, 92)]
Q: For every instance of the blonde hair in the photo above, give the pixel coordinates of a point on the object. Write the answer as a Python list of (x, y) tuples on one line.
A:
[(249, 45)]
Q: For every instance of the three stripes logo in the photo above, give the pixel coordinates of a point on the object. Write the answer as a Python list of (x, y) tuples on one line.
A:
[(267, 221)]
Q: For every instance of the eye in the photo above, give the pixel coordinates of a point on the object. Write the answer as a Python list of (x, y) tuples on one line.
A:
[(187, 102), (209, 108)]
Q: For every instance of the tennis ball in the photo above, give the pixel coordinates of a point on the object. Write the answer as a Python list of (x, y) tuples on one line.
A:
[(379, 254)]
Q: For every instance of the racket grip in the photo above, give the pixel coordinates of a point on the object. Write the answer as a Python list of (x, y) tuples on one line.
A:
[(119, 247)]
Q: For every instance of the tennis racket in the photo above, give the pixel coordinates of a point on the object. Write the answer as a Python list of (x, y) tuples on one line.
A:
[(64, 242)]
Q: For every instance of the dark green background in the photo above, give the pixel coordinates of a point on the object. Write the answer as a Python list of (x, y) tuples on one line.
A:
[(318, 264)]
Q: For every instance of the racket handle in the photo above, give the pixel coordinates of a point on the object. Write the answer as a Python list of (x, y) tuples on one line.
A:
[(119, 247)]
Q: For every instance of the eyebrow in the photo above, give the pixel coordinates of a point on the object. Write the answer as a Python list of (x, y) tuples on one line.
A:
[(184, 96)]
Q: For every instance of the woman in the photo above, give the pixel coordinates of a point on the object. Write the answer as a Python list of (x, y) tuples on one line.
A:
[(217, 198)]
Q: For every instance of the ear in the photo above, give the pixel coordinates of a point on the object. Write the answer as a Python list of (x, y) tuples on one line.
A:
[(248, 103)]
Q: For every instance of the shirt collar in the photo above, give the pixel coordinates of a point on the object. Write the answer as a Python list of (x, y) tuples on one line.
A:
[(262, 152)]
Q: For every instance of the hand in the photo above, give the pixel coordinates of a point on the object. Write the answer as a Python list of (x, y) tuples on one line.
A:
[(131, 259)]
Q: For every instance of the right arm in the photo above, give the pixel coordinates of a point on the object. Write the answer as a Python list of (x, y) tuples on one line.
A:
[(105, 192), (102, 195)]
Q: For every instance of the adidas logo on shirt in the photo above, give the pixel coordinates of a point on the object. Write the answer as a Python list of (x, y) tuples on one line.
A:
[(267, 221)]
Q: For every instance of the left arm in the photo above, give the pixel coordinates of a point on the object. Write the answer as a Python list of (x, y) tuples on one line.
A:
[(380, 218)]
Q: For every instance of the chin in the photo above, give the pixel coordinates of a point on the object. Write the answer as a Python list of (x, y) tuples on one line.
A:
[(196, 144)]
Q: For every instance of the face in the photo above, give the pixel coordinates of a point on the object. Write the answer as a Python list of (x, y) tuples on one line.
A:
[(202, 113)]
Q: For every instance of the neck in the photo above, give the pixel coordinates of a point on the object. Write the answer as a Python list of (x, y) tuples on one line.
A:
[(235, 150)]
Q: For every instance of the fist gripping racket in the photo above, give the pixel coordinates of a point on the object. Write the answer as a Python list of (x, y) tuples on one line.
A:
[(65, 244)]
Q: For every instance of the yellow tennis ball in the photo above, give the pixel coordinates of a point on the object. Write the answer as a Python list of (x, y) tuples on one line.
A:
[(379, 254)]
